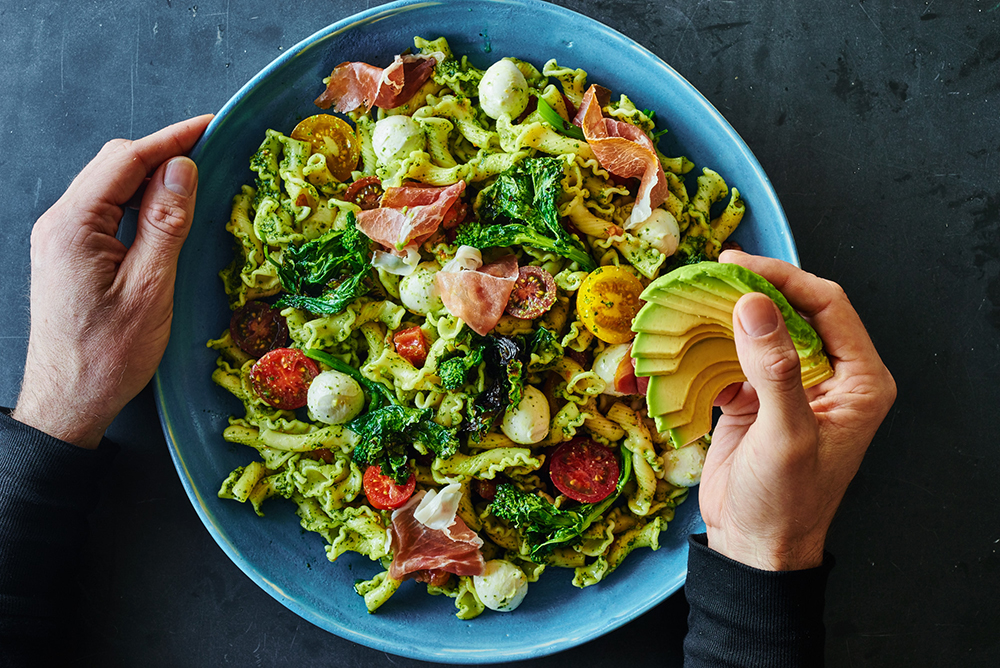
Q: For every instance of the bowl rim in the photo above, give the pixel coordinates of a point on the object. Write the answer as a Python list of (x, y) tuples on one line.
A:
[(218, 533)]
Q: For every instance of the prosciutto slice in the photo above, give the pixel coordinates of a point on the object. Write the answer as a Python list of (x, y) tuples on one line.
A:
[(626, 151), (479, 297), (416, 547), (352, 85), (409, 214)]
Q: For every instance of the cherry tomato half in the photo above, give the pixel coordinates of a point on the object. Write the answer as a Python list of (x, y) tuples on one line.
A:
[(584, 470), (334, 139), (282, 378), (411, 345), (383, 492), (607, 303), (257, 328), (366, 192), (534, 293)]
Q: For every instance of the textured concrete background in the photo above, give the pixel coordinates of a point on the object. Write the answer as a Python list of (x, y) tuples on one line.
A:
[(878, 124)]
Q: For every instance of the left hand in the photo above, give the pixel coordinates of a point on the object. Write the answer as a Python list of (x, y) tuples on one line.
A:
[(101, 312)]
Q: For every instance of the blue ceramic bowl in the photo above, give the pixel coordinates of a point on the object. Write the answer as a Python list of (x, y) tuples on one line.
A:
[(289, 564)]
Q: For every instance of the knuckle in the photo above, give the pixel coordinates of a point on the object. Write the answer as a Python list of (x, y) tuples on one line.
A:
[(116, 145), (780, 364), (168, 218)]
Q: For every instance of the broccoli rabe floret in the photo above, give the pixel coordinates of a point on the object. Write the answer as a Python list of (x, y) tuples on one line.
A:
[(519, 208)]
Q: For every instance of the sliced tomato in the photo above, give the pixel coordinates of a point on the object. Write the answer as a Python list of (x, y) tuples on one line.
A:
[(411, 345), (608, 301), (282, 378), (534, 293), (366, 192), (382, 491), (320, 455), (257, 328), (334, 139), (584, 470), (436, 577), (455, 216)]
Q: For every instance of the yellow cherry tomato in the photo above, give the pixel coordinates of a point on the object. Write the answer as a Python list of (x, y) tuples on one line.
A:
[(335, 140), (608, 301)]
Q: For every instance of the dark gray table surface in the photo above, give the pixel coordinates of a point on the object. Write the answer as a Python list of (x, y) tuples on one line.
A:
[(878, 124)]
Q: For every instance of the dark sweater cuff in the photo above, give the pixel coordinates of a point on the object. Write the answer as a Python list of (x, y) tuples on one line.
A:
[(47, 487), (746, 617)]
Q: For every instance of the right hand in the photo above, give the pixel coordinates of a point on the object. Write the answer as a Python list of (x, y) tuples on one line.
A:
[(100, 312), (781, 456)]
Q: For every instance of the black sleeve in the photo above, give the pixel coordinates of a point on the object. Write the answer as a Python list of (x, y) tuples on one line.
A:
[(742, 617), (47, 487)]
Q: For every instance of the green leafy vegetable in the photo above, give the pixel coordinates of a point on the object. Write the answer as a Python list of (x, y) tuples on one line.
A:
[(543, 525), (505, 366), (453, 370), (386, 430), (553, 118), (545, 350), (386, 435), (651, 115), (519, 208), (326, 274)]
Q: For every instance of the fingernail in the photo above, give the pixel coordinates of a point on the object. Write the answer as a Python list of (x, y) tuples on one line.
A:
[(181, 176), (758, 317)]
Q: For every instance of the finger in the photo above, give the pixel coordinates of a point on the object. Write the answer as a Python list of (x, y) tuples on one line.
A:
[(117, 172), (163, 223), (823, 302), (770, 362)]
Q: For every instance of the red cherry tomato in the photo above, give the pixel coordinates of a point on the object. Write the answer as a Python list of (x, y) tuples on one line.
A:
[(282, 378), (584, 470), (382, 491), (411, 344), (487, 489), (366, 192), (257, 328), (534, 293)]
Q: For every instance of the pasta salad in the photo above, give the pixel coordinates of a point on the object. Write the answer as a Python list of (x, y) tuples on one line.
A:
[(433, 290)]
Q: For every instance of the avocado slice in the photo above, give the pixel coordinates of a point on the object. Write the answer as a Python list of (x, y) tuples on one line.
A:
[(701, 399), (687, 300), (653, 319), (681, 432), (721, 299), (684, 343), (700, 355), (666, 345), (806, 341), (670, 392)]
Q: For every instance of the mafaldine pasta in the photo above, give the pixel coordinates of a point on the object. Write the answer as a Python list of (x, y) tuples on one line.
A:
[(433, 287)]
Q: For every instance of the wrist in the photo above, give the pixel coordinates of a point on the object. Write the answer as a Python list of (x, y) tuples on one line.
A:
[(65, 424), (769, 553)]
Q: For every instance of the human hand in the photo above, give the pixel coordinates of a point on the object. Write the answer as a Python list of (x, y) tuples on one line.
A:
[(782, 457), (100, 313)]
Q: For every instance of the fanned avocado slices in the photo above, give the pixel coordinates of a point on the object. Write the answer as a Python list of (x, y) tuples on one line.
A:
[(684, 343)]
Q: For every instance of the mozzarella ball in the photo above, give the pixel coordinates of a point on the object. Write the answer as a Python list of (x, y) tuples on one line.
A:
[(660, 231), (682, 468), (395, 137), (502, 585), (529, 422), (606, 366), (419, 291), (334, 397), (503, 90)]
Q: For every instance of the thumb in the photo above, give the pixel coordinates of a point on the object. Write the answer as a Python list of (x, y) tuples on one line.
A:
[(165, 218), (770, 362)]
